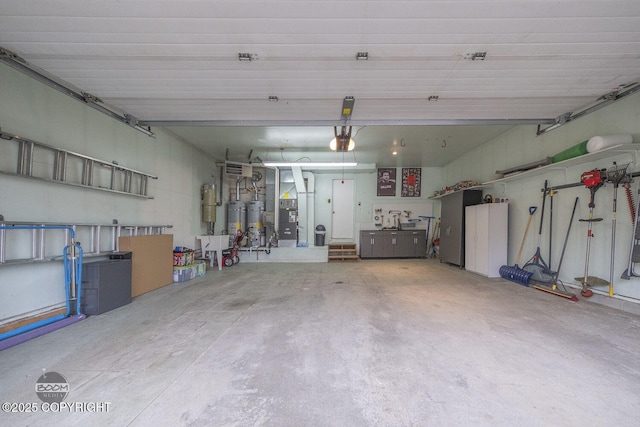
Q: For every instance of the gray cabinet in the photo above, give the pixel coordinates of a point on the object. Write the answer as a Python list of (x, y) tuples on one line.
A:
[(106, 285), (388, 243), (371, 244), (418, 243), (393, 244), (410, 244), (452, 215), (404, 245)]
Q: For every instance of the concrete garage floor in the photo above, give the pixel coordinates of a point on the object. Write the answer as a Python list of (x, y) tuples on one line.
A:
[(386, 343)]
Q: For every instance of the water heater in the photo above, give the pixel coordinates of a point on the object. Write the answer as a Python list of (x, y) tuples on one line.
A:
[(255, 228), (208, 203), (236, 218)]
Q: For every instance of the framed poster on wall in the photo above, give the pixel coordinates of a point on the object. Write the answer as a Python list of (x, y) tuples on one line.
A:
[(411, 182), (386, 181)]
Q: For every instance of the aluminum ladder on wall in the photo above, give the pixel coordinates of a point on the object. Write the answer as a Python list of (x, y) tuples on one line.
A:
[(34, 242), (75, 169)]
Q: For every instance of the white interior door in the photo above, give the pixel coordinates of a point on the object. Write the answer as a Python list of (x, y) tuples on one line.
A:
[(342, 209)]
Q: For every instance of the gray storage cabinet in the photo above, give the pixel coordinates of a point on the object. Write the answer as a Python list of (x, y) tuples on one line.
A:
[(410, 244), (106, 285), (393, 244), (452, 216), (372, 244)]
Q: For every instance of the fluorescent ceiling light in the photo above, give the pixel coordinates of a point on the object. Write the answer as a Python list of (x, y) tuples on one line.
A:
[(312, 164)]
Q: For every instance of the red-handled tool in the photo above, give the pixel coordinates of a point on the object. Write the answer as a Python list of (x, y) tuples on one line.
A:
[(593, 180)]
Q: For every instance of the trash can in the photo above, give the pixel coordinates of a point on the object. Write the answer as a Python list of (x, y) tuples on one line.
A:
[(320, 232)]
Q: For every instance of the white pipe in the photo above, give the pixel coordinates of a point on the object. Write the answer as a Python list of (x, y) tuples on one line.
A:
[(220, 197), (311, 185), (238, 189), (255, 189), (276, 196), (301, 190)]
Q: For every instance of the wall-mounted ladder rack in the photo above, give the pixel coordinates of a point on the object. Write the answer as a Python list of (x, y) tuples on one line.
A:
[(44, 162), (19, 246)]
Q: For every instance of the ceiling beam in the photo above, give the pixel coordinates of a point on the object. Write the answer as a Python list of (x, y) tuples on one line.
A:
[(392, 122)]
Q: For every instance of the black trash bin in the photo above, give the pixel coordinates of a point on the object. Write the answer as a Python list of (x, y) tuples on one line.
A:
[(320, 233)]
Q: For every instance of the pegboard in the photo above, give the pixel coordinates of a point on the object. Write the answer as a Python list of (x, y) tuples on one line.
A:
[(416, 210)]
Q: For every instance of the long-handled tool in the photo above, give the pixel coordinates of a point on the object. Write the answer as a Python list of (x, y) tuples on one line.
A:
[(593, 180), (615, 175), (428, 218), (634, 251), (536, 265), (435, 239), (521, 168), (515, 273), (627, 189), (554, 288), (552, 193)]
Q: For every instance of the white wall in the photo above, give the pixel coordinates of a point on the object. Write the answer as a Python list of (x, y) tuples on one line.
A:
[(366, 196), (35, 111), (520, 146)]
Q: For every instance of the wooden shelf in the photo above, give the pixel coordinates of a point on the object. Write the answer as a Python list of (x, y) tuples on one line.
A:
[(339, 252), (585, 158), (616, 150), (475, 187)]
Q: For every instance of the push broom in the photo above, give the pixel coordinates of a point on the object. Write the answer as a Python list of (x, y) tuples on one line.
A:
[(513, 272)]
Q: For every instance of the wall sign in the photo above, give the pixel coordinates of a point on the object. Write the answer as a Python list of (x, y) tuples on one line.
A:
[(411, 180), (386, 181)]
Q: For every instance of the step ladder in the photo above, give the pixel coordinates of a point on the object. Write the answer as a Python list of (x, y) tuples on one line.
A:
[(60, 166), (340, 252)]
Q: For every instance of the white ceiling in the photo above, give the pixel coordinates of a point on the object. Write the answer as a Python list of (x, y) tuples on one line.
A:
[(175, 63)]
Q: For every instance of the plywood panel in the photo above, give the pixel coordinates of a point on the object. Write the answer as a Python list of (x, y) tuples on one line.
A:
[(152, 261)]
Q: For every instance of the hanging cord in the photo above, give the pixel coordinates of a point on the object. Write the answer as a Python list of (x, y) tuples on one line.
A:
[(357, 132)]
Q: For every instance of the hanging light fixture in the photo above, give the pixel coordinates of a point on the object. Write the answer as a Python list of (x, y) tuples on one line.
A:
[(342, 142)]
